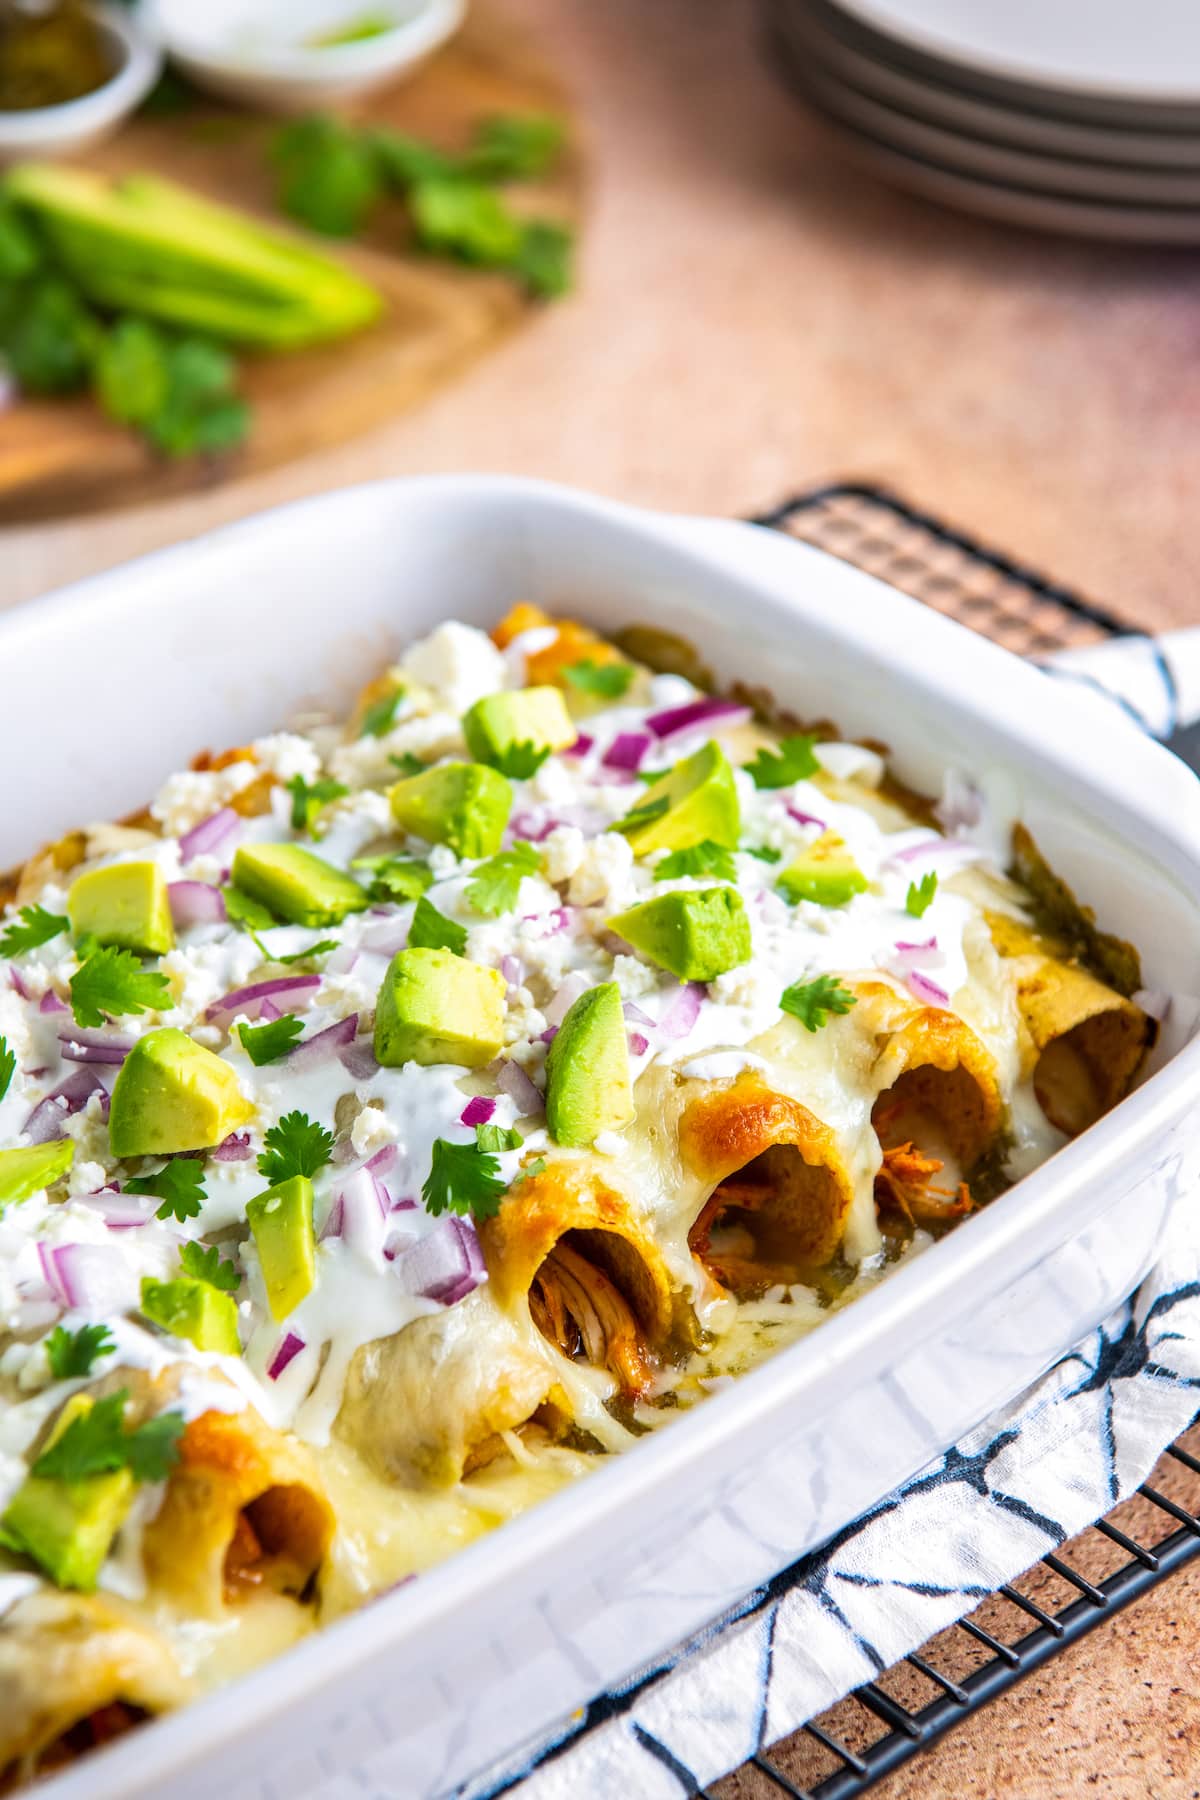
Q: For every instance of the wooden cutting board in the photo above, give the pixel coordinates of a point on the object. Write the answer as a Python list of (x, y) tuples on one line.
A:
[(63, 457)]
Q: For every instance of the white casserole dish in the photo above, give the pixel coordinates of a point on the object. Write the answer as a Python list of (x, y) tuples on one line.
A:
[(115, 680)]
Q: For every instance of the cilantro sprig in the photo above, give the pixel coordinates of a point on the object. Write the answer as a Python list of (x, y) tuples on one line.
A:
[(407, 763), (267, 1043), (296, 1146), (72, 1353), (395, 877), (793, 761), (204, 1262), (920, 895), (497, 1137), (309, 953), (380, 716), (463, 1179), (8, 1066), (32, 926), (603, 681), (705, 858), (645, 814), (812, 1001), (113, 982), (97, 1443), (432, 930), (494, 887), (763, 852), (308, 798), (179, 1184), (240, 909), (519, 761)]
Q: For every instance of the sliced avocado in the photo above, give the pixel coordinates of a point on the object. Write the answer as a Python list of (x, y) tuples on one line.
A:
[(195, 1310), (696, 933), (295, 885), (26, 1172), (172, 1094), (825, 872), (125, 904), (66, 1527), (282, 1223), (463, 804), (536, 716), (588, 1089), (435, 1007), (697, 799)]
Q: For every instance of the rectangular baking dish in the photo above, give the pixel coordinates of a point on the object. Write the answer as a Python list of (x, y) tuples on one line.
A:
[(112, 682)]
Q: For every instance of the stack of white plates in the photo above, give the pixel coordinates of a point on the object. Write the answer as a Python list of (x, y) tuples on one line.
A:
[(1078, 116)]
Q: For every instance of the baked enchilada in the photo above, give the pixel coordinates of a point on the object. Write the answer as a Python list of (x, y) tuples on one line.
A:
[(402, 1116)]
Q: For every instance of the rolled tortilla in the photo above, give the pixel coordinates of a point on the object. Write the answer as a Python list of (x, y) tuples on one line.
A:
[(244, 1510), (1087, 1042), (76, 1671)]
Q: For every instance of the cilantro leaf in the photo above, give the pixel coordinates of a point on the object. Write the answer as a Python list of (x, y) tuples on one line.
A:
[(494, 887), (48, 336), (604, 681), (520, 761), (463, 1179), (177, 391), (205, 1263), (179, 1184), (543, 260), (308, 797), (96, 1443), (812, 1001), (403, 160), (34, 926), (114, 982), (464, 220), (794, 761), (72, 1353), (497, 1137), (395, 877), (329, 175), (432, 930), (705, 858), (763, 852), (642, 815), (920, 895), (240, 909), (266, 1043), (533, 1168), (514, 147), (8, 1066), (321, 948), (296, 1146), (379, 717), (407, 763)]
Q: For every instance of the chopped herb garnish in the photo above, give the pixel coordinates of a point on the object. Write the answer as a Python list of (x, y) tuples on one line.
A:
[(494, 887), (8, 1066), (920, 895), (705, 858), (179, 1184), (205, 1263), (763, 852), (33, 926), (308, 797), (307, 955), (643, 815), (97, 1443), (432, 930), (267, 1043), (463, 1179), (498, 1137), (794, 761), (812, 1001), (407, 763), (72, 1353), (533, 1168), (296, 1146), (240, 909), (112, 982), (520, 761), (604, 681), (395, 877), (379, 717)]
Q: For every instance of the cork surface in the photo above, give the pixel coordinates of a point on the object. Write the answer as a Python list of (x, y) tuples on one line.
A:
[(754, 318)]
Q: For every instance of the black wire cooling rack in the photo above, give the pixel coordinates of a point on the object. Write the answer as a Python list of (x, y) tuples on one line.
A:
[(845, 1751)]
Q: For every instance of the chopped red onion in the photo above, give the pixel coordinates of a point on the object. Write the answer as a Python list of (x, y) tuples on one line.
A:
[(805, 818), (342, 960), (627, 750), (93, 1277), (532, 826), (548, 1036), (123, 1212), (234, 1148), (911, 956), (44, 1124), (635, 1016), (206, 838), (289, 1346), (196, 903), (512, 1080), (93, 1046), (358, 1060), (513, 970), (389, 935), (961, 804), (322, 1045), (682, 1011), (268, 1011), (698, 712), (477, 1111), (298, 989), (924, 989), (638, 1045), (334, 1220), (445, 1264), (382, 1161), (581, 746), (50, 1003), (565, 996), (365, 1206), (937, 849), (16, 982), (552, 922)]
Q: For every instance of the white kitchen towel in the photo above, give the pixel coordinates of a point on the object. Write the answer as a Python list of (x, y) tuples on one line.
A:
[(1057, 1458)]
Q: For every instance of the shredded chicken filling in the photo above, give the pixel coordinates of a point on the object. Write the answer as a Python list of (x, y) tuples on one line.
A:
[(581, 1309)]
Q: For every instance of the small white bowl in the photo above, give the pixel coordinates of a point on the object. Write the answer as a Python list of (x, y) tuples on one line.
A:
[(76, 124), (263, 54)]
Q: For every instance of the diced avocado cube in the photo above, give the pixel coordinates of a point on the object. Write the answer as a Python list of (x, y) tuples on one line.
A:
[(695, 800), (435, 1007), (282, 1223), (462, 804), (66, 1527), (125, 904), (295, 885), (26, 1172), (696, 933), (172, 1094), (537, 716), (825, 872), (195, 1310), (588, 1089)]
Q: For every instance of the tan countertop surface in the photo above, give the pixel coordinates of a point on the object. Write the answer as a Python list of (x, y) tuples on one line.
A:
[(752, 318)]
